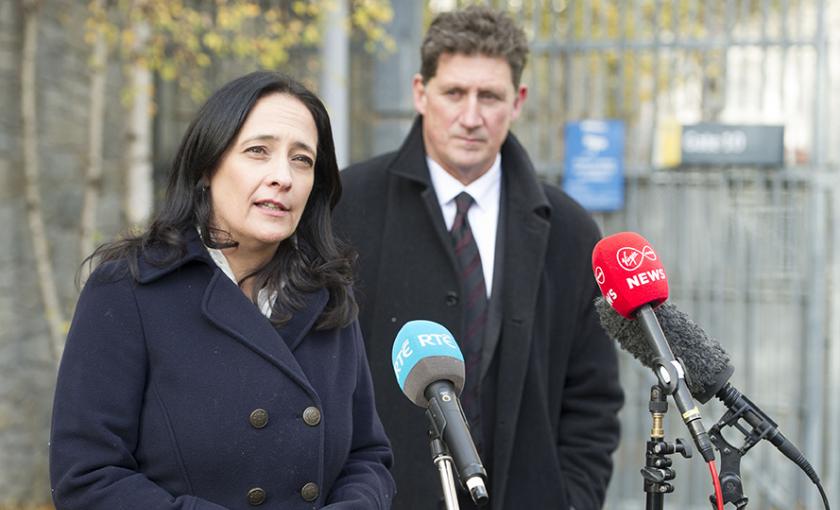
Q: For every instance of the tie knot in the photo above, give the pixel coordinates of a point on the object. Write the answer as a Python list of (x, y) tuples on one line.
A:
[(463, 202)]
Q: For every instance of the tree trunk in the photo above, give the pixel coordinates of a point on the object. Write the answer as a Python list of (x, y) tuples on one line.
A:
[(31, 170), (96, 121), (139, 184)]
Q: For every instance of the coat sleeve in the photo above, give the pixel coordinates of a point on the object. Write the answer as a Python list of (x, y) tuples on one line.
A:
[(97, 406), (365, 482), (589, 426)]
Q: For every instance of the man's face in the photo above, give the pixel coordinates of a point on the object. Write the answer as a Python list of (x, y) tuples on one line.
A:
[(467, 108)]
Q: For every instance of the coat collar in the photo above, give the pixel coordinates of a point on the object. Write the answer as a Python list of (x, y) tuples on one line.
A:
[(410, 160), (149, 270), (224, 305)]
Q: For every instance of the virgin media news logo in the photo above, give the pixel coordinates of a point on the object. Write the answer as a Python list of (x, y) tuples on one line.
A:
[(599, 275), (631, 259)]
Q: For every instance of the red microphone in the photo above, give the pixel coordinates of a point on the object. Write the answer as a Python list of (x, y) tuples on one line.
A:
[(629, 273), (633, 281)]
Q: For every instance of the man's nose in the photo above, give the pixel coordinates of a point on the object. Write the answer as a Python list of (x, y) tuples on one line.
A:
[(471, 115)]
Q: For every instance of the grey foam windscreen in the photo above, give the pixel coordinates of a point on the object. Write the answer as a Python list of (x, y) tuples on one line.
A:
[(706, 363)]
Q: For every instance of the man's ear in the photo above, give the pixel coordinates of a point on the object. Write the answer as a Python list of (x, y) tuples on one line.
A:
[(418, 89), (519, 101)]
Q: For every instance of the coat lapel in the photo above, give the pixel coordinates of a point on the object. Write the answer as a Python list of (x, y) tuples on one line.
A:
[(224, 305), (526, 232), (294, 331), (410, 163)]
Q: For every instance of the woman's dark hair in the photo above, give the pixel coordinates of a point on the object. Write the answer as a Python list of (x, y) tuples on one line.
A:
[(310, 259)]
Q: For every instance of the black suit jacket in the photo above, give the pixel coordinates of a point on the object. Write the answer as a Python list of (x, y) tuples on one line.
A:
[(554, 424)]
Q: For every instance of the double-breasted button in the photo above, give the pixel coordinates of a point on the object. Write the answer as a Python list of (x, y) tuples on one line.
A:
[(256, 496), (311, 416), (309, 492), (451, 298), (258, 418)]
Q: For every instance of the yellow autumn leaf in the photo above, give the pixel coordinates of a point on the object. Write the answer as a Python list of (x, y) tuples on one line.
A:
[(213, 41)]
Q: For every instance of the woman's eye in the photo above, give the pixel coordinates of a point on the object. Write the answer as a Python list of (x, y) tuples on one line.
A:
[(257, 149), (306, 160)]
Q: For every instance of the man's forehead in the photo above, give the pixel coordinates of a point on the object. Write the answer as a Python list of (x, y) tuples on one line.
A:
[(473, 71)]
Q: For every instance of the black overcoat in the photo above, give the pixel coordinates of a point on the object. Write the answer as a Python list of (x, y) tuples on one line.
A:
[(555, 371), (176, 393)]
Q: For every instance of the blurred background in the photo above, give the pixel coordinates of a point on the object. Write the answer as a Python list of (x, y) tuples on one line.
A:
[(710, 127)]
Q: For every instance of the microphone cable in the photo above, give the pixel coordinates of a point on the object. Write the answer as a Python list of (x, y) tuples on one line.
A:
[(822, 494), (716, 483)]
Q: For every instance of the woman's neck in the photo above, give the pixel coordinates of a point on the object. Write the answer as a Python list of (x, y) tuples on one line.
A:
[(243, 263)]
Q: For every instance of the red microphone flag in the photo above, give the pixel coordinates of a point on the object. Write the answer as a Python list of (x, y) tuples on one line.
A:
[(629, 273)]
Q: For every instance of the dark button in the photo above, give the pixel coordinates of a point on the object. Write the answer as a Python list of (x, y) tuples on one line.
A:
[(258, 418), (451, 298), (309, 492), (256, 496), (311, 416)]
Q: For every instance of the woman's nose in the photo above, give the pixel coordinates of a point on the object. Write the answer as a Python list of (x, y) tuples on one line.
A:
[(281, 175)]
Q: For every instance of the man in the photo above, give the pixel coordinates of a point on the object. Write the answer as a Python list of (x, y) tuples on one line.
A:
[(542, 391)]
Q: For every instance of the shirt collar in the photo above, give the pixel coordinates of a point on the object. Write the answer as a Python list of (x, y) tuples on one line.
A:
[(265, 302), (482, 189)]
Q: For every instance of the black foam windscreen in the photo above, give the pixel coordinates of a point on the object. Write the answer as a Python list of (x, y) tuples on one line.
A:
[(706, 363)]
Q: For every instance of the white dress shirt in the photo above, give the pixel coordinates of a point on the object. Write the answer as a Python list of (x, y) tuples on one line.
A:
[(483, 216)]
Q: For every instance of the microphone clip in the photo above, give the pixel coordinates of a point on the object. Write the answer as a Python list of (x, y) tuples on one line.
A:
[(668, 375)]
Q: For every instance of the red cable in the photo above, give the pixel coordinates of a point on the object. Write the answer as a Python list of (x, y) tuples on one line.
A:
[(716, 482)]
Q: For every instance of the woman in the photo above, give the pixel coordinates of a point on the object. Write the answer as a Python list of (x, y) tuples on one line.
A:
[(215, 361)]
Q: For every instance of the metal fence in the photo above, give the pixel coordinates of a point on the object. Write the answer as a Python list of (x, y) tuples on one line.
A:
[(749, 251)]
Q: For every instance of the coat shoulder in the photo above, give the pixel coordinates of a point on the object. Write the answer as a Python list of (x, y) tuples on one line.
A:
[(364, 193), (364, 175), (570, 216)]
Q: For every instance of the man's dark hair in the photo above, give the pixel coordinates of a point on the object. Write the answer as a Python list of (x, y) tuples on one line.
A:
[(311, 259), (476, 30)]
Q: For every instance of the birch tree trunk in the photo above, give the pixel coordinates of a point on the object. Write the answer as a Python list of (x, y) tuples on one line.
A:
[(31, 170), (96, 121), (139, 184)]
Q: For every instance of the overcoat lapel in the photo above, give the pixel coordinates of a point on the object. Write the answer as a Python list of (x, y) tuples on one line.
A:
[(410, 164), (526, 231), (224, 305)]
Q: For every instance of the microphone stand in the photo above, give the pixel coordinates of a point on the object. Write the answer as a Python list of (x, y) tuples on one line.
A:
[(658, 471), (443, 461)]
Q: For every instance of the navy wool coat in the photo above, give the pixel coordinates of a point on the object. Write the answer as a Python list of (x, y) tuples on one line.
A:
[(175, 392)]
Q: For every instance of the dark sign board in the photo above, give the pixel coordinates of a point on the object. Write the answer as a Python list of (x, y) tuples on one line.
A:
[(725, 144)]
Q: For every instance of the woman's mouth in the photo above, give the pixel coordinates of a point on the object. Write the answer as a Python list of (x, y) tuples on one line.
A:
[(272, 206)]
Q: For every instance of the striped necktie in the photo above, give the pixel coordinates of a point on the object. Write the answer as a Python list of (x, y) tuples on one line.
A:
[(474, 298)]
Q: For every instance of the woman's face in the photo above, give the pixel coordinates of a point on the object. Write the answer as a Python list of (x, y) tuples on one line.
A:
[(260, 189)]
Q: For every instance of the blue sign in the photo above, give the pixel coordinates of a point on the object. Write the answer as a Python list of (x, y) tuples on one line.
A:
[(594, 169)]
